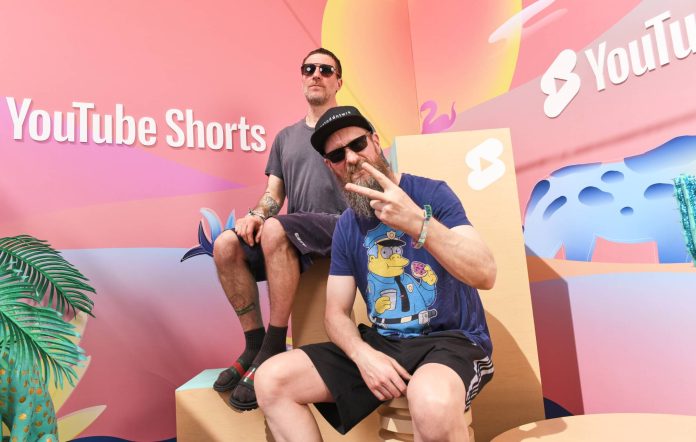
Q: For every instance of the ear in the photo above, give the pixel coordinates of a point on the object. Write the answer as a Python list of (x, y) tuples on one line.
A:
[(340, 84), (375, 140)]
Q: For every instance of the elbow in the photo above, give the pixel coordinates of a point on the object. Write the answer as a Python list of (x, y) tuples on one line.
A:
[(488, 276), (488, 283)]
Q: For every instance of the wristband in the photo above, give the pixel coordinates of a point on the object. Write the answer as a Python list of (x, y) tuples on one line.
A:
[(253, 213), (428, 213)]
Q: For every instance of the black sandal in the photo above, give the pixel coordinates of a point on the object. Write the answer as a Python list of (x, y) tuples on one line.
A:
[(247, 382), (230, 377)]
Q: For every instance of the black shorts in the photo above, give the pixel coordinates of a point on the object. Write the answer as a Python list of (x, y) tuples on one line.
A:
[(310, 233), (354, 400)]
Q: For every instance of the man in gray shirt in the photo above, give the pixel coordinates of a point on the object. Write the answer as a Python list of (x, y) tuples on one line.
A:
[(276, 248)]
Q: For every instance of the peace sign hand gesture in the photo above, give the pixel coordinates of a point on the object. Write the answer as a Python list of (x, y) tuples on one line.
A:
[(392, 206)]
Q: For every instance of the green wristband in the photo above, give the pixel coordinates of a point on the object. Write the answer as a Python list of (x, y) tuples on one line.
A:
[(428, 213)]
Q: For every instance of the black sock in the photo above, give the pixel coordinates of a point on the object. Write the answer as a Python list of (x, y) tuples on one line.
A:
[(273, 343), (254, 340)]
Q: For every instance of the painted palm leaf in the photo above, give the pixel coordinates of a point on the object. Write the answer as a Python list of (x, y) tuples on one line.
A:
[(37, 287), (33, 335), (48, 272), (13, 291)]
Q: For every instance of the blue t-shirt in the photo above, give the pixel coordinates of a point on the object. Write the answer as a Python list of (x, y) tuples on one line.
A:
[(407, 292)]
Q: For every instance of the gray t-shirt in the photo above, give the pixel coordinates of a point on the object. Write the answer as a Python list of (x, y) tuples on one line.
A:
[(309, 184)]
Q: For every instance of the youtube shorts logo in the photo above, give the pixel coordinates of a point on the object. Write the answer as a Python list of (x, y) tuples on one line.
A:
[(667, 39), (560, 72), (485, 164)]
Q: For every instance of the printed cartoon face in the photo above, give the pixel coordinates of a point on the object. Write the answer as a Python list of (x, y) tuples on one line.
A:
[(388, 262)]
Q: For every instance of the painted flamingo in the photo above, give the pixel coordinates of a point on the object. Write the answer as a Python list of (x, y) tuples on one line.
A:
[(439, 124)]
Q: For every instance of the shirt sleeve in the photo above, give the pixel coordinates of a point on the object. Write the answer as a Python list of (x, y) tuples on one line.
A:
[(274, 166), (340, 261), (447, 208)]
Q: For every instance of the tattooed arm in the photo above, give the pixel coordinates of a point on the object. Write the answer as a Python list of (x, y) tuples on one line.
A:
[(249, 227), (272, 200)]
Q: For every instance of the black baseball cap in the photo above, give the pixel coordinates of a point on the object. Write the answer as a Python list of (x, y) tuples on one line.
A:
[(334, 119)]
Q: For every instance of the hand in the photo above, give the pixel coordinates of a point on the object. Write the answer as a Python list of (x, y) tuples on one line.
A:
[(383, 375), (392, 206), (249, 229), (383, 303)]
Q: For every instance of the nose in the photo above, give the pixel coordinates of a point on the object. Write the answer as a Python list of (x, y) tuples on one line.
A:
[(351, 157)]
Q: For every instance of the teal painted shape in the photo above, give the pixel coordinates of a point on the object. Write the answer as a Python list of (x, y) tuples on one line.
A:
[(204, 379)]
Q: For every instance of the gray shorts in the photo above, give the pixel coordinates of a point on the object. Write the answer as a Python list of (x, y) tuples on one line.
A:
[(354, 400), (310, 233)]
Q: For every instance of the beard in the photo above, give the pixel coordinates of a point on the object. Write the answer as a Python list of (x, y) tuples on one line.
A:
[(317, 97), (360, 203)]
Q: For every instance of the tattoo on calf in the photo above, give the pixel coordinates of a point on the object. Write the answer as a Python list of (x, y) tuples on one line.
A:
[(244, 310), (271, 205)]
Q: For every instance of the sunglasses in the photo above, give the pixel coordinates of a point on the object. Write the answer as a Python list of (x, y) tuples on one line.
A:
[(326, 70), (357, 145)]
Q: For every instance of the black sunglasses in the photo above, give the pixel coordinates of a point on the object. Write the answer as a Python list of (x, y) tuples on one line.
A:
[(326, 70), (357, 145)]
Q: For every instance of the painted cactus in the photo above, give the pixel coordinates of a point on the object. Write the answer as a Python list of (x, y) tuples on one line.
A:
[(685, 192)]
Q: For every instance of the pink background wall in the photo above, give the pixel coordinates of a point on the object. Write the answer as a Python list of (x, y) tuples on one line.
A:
[(126, 214)]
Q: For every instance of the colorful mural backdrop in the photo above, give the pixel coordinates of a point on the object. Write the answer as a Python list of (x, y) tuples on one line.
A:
[(119, 121)]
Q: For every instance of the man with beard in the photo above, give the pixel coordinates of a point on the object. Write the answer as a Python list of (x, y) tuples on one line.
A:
[(276, 248), (429, 340)]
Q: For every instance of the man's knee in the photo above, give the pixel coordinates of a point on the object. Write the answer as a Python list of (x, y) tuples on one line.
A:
[(436, 407), (426, 401), (270, 378), (227, 247), (273, 236)]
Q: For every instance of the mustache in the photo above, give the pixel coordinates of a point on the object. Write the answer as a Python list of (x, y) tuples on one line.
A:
[(353, 170)]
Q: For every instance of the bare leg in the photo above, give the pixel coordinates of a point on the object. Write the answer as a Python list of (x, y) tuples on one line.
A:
[(283, 271), (236, 279), (436, 398), (283, 275), (242, 293), (285, 384)]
